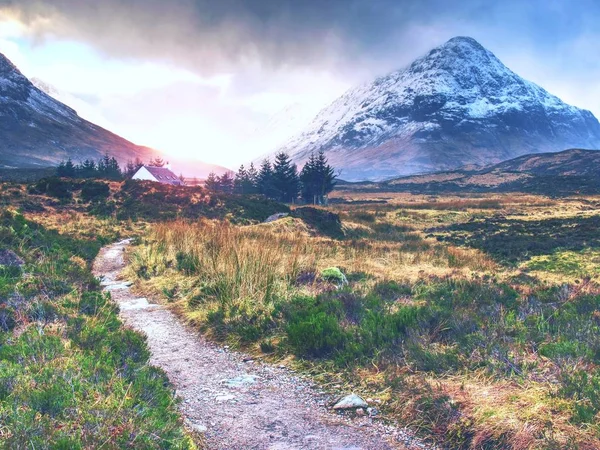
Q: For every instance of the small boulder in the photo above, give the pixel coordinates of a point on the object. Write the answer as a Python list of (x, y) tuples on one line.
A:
[(351, 401), (275, 217)]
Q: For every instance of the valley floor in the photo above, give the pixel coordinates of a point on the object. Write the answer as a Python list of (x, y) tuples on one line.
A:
[(233, 402)]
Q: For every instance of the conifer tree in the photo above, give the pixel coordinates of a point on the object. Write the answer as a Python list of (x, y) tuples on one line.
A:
[(308, 179), (318, 178), (253, 178), (66, 169), (242, 183), (264, 181), (325, 176), (225, 182), (130, 169), (212, 183), (88, 169), (157, 162), (285, 178), (113, 170)]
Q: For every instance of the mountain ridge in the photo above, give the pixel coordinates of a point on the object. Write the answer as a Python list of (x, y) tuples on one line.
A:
[(457, 105), (568, 172), (38, 130)]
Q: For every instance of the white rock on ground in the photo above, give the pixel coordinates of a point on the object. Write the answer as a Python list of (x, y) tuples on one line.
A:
[(351, 401)]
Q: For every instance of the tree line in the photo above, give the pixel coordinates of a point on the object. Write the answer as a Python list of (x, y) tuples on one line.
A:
[(106, 168), (280, 180)]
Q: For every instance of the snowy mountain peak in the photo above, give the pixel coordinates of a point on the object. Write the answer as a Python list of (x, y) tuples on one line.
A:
[(458, 104)]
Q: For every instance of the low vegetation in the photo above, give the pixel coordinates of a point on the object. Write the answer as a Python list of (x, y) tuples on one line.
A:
[(452, 315), (71, 376), (473, 320)]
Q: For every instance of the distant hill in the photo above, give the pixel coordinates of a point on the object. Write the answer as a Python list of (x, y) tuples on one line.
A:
[(562, 173), (37, 130), (575, 162), (455, 106)]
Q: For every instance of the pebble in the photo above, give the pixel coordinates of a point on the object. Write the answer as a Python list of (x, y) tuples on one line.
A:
[(197, 427)]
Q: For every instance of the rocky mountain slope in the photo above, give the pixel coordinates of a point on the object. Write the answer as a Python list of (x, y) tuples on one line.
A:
[(36, 130), (457, 105)]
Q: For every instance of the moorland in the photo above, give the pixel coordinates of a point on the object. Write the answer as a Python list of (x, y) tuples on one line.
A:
[(472, 319)]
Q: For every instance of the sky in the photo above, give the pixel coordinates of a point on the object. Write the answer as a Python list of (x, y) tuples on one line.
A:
[(225, 81)]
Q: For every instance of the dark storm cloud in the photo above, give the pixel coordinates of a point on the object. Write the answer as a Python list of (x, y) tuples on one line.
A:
[(215, 33)]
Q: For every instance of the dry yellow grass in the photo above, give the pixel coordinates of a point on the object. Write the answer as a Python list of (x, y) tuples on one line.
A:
[(254, 264)]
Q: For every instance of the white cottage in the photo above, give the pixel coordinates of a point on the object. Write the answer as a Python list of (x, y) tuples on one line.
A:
[(159, 174)]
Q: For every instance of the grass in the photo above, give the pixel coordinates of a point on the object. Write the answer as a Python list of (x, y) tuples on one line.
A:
[(474, 321), (481, 339), (71, 376)]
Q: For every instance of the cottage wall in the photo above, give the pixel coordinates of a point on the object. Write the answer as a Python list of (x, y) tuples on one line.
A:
[(143, 174)]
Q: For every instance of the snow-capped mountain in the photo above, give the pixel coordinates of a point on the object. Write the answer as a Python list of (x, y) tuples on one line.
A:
[(457, 105), (37, 130)]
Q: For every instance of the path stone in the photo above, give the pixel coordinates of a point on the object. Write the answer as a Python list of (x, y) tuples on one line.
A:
[(351, 401)]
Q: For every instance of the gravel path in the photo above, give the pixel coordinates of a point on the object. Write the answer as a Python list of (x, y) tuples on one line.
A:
[(235, 403)]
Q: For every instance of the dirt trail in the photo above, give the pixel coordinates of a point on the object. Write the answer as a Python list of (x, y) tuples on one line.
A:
[(238, 404)]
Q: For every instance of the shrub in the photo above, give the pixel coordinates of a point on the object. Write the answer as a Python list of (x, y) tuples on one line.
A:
[(55, 187), (94, 191), (325, 222), (8, 378), (91, 302), (334, 275), (585, 389), (316, 335)]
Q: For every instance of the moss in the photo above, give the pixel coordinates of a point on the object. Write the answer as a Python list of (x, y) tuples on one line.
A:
[(334, 275)]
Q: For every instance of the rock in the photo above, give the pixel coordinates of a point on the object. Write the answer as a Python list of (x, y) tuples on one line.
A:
[(360, 412), (197, 427), (351, 401), (372, 412), (275, 217), (224, 398), (9, 258), (241, 381)]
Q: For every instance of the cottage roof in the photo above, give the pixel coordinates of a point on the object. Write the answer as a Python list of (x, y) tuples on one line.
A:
[(163, 175)]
